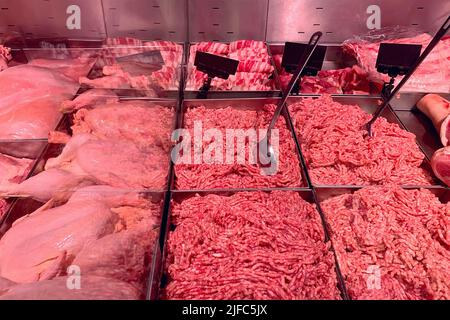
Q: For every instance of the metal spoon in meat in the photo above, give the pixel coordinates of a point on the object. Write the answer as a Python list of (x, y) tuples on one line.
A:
[(266, 154), (437, 37)]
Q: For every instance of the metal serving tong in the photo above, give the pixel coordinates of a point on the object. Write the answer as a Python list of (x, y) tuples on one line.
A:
[(266, 156), (386, 99)]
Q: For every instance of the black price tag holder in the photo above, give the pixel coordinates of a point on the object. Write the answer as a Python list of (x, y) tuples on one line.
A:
[(292, 53), (396, 59), (214, 66)]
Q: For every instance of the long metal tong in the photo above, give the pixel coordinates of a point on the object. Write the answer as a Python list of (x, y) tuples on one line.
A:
[(437, 37), (266, 152)]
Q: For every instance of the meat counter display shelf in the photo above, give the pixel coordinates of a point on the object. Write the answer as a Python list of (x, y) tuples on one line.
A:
[(234, 93), (215, 113), (369, 105), (221, 202)]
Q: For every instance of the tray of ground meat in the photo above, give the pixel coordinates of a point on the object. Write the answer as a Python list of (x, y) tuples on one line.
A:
[(391, 242), (240, 172), (247, 245), (338, 151)]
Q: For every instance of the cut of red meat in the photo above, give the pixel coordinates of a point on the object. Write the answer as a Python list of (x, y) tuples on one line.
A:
[(338, 152), (391, 243), (250, 245)]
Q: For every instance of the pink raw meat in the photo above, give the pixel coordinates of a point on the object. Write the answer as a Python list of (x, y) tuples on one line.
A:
[(56, 235), (92, 288), (133, 121), (236, 174), (348, 80), (120, 256), (135, 75), (88, 160), (338, 152), (433, 75), (391, 243), (30, 97), (440, 163), (71, 68), (89, 99), (249, 245), (38, 245), (253, 71), (13, 169)]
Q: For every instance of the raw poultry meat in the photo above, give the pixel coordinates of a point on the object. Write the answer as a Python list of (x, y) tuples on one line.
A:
[(433, 75), (119, 255), (140, 122), (140, 129), (19, 83), (249, 245), (37, 246), (348, 80), (254, 69), (30, 119), (56, 181), (29, 108), (89, 160), (89, 99), (338, 151), (5, 57), (116, 78), (13, 169), (92, 288), (57, 235), (71, 68), (391, 243), (235, 173)]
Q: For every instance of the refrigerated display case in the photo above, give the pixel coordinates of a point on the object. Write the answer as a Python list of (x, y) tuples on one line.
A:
[(93, 95)]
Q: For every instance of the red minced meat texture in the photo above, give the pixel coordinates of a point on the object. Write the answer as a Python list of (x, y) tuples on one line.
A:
[(404, 233), (236, 175), (250, 245), (338, 150)]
